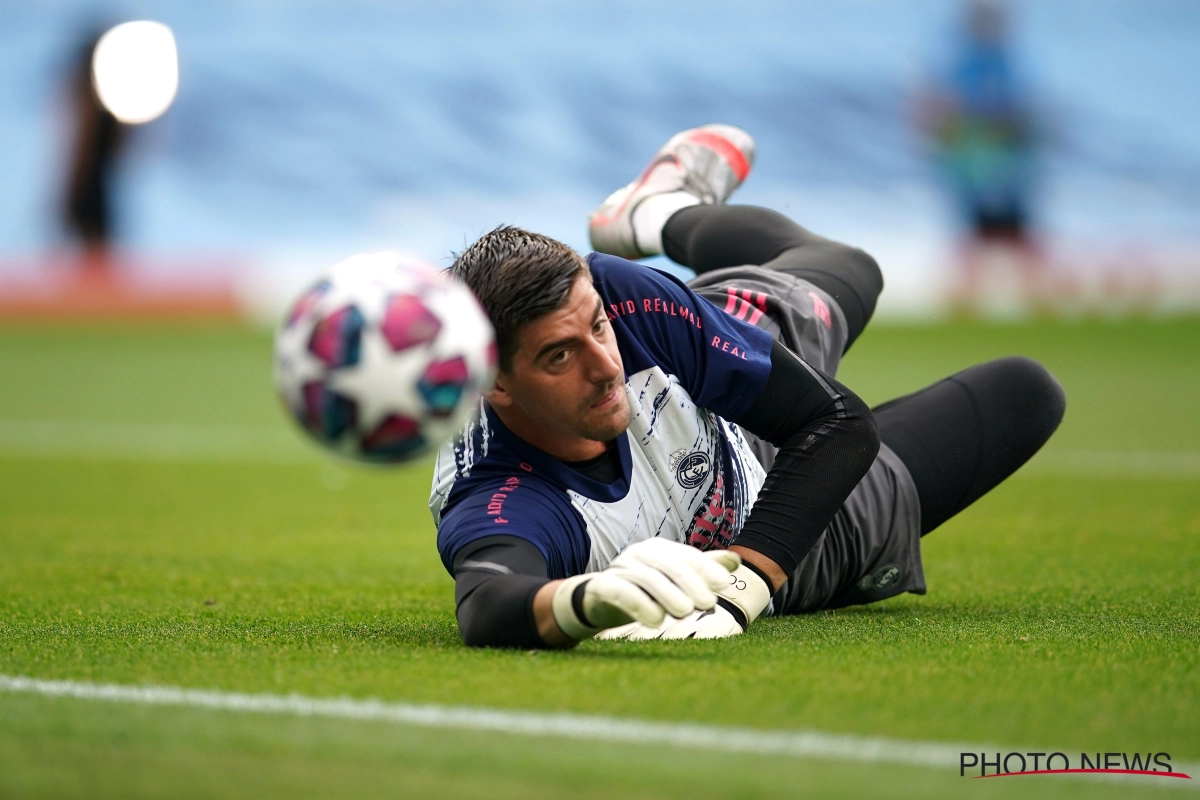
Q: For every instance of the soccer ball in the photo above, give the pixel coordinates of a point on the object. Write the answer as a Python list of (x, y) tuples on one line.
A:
[(384, 358)]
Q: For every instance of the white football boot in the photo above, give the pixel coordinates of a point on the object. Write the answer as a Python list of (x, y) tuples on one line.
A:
[(697, 166)]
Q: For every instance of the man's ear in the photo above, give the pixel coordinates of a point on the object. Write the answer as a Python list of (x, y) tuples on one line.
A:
[(498, 395)]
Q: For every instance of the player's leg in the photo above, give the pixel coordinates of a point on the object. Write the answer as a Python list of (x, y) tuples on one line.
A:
[(943, 448), (676, 206), (707, 238), (962, 436)]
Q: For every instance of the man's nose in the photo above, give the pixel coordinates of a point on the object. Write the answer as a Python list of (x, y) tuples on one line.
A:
[(600, 365)]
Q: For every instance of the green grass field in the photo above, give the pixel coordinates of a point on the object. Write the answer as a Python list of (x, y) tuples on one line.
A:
[(161, 525)]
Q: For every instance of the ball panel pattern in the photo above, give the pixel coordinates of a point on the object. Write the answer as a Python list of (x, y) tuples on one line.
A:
[(326, 413), (443, 384), (396, 436), (408, 323), (337, 338)]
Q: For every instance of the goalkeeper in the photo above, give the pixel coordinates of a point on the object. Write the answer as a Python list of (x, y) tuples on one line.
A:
[(669, 460)]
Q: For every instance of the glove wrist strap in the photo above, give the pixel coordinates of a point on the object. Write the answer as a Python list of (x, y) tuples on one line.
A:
[(748, 592), (569, 620)]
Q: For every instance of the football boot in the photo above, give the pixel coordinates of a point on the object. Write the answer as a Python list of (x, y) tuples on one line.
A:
[(707, 163)]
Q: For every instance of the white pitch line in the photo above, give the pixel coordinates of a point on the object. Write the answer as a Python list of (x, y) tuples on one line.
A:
[(816, 744)]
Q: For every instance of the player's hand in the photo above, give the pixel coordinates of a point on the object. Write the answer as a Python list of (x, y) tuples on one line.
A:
[(648, 583), (715, 623), (742, 599)]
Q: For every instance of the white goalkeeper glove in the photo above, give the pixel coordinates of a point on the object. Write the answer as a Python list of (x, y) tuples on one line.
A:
[(743, 597), (647, 583)]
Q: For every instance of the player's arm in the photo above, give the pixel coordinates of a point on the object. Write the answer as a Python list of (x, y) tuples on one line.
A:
[(504, 598), (827, 440), (495, 581)]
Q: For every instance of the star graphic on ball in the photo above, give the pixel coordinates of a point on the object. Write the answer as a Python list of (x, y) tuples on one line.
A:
[(383, 384)]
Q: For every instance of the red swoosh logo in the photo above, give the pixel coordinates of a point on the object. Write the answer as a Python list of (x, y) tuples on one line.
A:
[(1103, 771)]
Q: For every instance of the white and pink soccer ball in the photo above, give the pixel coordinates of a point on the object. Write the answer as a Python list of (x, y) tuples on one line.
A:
[(384, 358)]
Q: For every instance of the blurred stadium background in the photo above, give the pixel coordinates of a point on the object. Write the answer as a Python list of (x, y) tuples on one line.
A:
[(305, 131)]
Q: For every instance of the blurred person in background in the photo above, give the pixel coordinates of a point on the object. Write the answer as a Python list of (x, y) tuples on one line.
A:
[(95, 146), (978, 117)]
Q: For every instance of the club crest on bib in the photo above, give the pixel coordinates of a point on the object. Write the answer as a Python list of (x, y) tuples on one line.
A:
[(882, 579), (692, 469)]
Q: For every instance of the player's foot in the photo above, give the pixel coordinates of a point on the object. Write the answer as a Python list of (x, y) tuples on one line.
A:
[(698, 166)]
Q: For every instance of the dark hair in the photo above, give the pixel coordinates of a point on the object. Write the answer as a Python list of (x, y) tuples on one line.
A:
[(518, 276)]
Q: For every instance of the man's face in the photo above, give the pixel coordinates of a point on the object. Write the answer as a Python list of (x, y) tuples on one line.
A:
[(566, 377)]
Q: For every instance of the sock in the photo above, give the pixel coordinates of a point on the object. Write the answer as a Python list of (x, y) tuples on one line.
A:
[(652, 214)]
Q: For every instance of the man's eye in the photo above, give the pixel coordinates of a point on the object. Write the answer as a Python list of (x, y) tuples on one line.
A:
[(558, 357)]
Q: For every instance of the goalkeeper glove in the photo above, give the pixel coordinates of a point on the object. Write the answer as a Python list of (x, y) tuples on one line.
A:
[(739, 603), (645, 583)]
